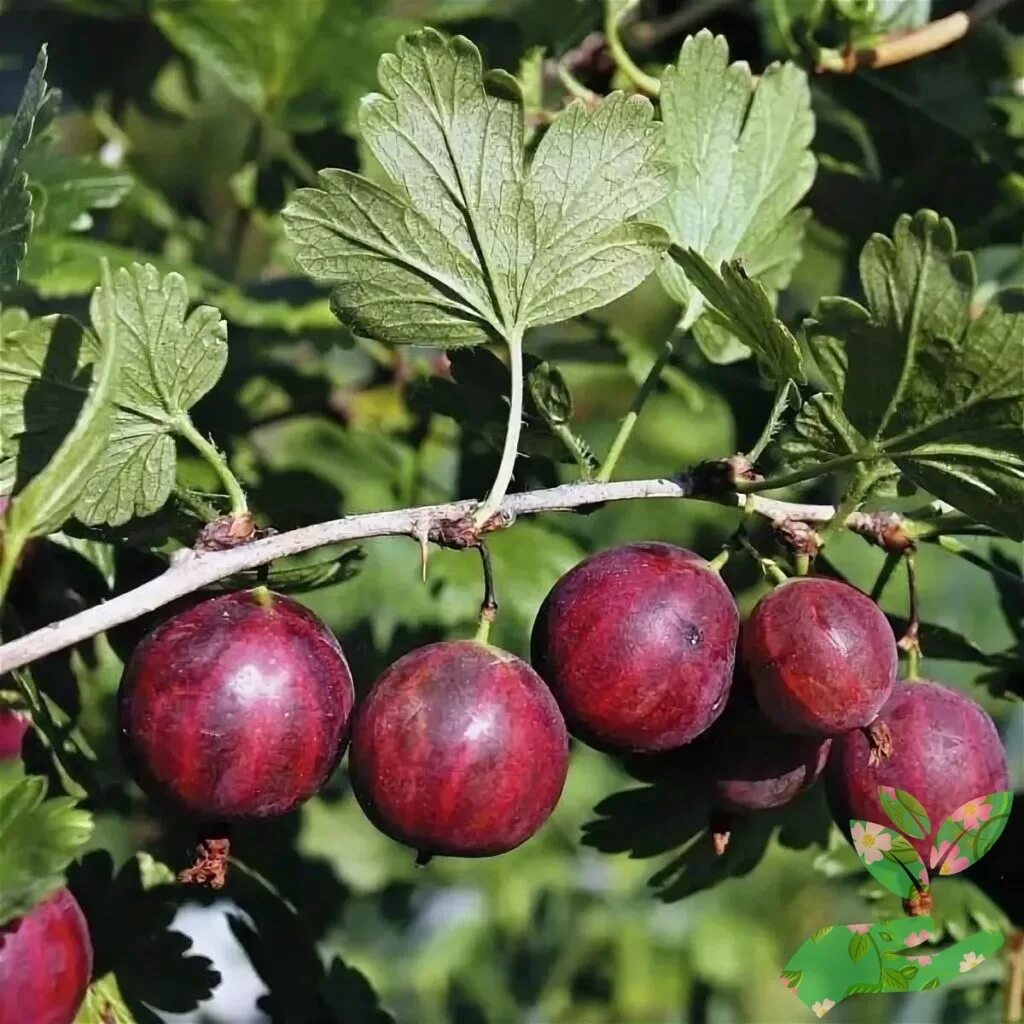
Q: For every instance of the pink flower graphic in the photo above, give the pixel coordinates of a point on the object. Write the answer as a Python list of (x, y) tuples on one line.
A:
[(924, 961), (953, 862), (916, 938), (970, 961), (859, 929), (870, 841), (820, 1008), (973, 813)]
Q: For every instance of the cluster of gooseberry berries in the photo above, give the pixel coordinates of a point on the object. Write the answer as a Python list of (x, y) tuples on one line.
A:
[(241, 706)]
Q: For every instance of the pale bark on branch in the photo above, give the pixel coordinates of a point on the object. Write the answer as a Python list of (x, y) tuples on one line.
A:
[(193, 571)]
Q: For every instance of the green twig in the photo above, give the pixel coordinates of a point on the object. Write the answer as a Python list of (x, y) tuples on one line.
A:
[(573, 85), (644, 82), (849, 504), (217, 462), (799, 476), (629, 422)]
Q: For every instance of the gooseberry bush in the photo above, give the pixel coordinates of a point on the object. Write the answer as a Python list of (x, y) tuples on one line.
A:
[(425, 483)]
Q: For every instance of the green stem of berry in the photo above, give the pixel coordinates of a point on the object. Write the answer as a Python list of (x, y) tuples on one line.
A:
[(489, 604)]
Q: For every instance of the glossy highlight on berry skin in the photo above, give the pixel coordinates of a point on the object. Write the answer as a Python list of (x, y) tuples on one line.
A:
[(238, 707), (946, 751), (638, 645), (459, 749), (45, 963), (821, 655)]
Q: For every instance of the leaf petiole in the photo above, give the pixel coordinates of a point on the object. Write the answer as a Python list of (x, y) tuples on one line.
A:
[(772, 426), (187, 429), (512, 431), (604, 474)]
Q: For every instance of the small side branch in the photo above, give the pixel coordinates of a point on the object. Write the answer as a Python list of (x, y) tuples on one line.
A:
[(906, 46)]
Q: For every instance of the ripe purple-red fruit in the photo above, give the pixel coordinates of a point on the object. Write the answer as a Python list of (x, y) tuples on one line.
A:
[(45, 963), (638, 645), (459, 749), (754, 766), (946, 751), (238, 707), (13, 725), (821, 655)]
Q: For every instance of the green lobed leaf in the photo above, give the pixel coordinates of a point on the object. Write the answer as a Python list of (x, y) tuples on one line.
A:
[(38, 840), (970, 832), (746, 311), (56, 491), (473, 244), (741, 161), (904, 811), (889, 857), (170, 360), (15, 199), (913, 383)]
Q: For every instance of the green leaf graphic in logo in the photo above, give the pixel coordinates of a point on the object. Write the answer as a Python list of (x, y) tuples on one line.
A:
[(890, 858), (970, 832), (905, 812), (890, 956)]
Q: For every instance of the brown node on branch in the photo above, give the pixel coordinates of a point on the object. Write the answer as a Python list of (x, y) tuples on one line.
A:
[(799, 537), (717, 478), (886, 529), (462, 533), (920, 904), (210, 866), (880, 739), (229, 532)]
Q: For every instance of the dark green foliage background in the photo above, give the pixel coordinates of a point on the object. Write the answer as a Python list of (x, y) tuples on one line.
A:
[(568, 929)]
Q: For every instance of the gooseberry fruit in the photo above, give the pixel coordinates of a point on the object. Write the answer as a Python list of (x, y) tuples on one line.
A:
[(237, 707), (821, 655), (638, 645), (946, 751), (754, 766), (12, 733), (45, 963), (458, 749)]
